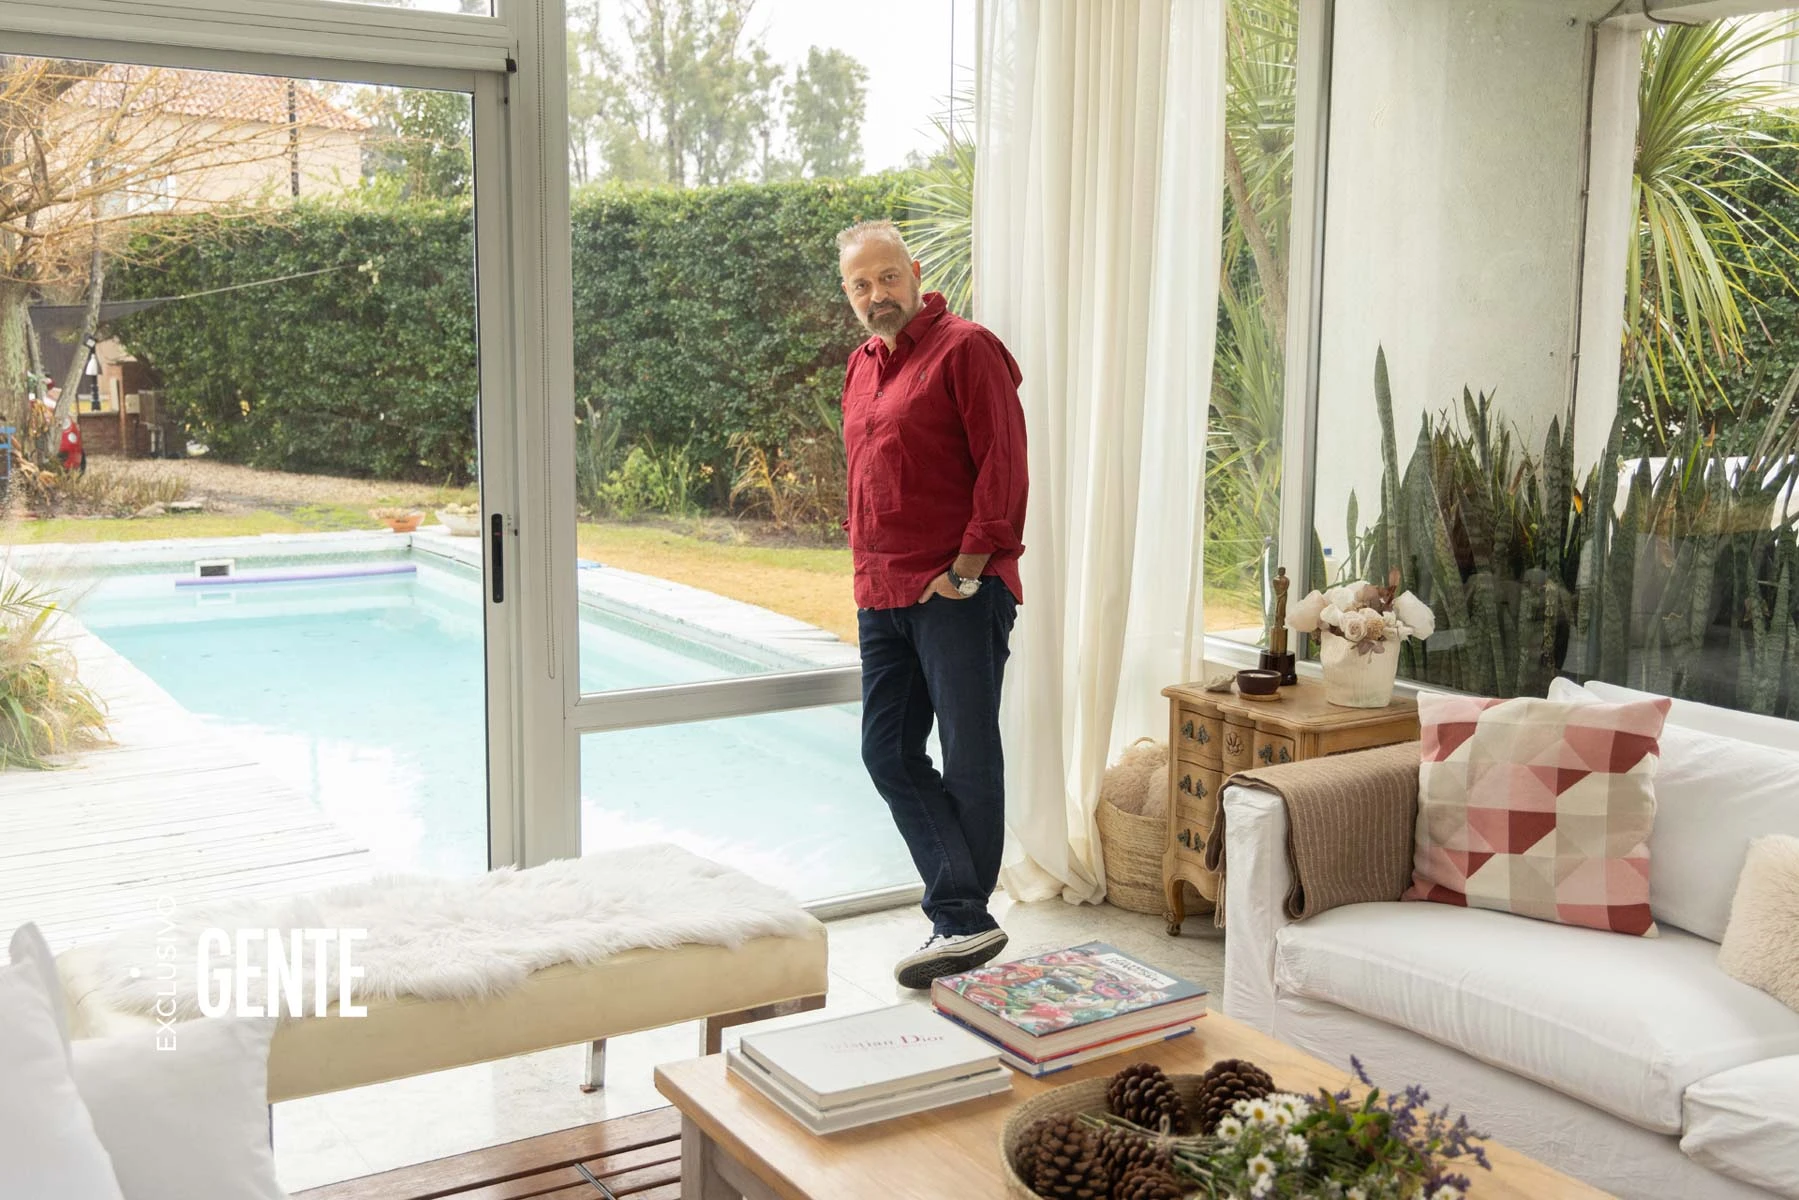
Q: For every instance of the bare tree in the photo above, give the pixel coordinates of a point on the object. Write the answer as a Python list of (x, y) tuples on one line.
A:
[(87, 152)]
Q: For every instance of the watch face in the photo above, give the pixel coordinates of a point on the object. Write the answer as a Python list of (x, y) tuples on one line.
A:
[(969, 587)]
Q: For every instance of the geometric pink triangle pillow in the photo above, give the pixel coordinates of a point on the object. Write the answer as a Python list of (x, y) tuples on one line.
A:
[(1538, 808)]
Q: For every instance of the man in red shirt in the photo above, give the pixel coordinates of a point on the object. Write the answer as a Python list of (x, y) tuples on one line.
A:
[(937, 482)]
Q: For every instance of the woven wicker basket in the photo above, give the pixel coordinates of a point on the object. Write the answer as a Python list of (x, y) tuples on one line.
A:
[(1131, 848), (1087, 1096)]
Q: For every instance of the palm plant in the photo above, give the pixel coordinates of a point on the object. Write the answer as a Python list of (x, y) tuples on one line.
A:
[(45, 710), (1703, 239), (940, 230)]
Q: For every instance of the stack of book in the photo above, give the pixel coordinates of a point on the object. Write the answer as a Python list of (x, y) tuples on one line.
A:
[(1067, 1007), (848, 1071)]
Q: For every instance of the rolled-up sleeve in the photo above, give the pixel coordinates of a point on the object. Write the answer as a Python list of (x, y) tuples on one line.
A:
[(986, 383)]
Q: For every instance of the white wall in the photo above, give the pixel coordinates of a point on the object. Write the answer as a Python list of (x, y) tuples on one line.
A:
[(1453, 223)]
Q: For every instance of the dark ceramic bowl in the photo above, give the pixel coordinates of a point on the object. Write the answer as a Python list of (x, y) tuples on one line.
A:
[(1259, 683)]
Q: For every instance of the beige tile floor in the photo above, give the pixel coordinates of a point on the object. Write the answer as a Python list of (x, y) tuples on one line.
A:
[(327, 1138)]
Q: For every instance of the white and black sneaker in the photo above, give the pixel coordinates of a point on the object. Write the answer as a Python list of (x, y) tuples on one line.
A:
[(945, 955)]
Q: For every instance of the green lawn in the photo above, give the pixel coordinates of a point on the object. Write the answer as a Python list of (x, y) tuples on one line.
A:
[(307, 518)]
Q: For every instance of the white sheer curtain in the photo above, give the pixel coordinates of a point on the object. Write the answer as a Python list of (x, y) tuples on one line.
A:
[(1098, 210)]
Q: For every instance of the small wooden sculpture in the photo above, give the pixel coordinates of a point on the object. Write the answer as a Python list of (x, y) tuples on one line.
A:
[(1277, 657)]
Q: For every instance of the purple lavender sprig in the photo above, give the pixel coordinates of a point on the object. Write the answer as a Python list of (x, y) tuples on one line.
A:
[(1431, 1133)]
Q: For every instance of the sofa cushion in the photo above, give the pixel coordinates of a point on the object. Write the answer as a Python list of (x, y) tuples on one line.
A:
[(1624, 1024), (1538, 808), (1774, 732), (1713, 794), (1745, 1123)]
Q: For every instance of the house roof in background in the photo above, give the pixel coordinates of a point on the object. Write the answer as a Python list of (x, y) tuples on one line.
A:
[(259, 98)]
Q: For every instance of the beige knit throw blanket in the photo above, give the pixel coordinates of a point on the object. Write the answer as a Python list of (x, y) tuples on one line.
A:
[(1350, 824)]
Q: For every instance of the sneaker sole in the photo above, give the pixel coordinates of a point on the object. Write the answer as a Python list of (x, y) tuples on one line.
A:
[(918, 975)]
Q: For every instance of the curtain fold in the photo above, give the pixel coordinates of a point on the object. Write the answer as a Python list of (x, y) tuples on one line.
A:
[(1098, 218)]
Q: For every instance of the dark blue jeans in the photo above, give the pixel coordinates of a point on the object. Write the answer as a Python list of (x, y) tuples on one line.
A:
[(941, 661)]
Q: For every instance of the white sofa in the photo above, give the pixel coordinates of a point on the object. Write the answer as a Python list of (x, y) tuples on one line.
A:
[(1632, 1063)]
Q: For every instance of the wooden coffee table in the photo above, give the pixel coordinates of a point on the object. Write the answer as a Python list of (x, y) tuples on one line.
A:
[(736, 1144)]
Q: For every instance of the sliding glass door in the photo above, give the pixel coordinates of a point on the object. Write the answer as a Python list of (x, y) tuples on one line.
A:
[(718, 675)]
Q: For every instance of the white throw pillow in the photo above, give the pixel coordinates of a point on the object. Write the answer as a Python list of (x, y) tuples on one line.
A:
[(28, 945), (1713, 795), (1774, 732), (1761, 946), (48, 1147), (186, 1122)]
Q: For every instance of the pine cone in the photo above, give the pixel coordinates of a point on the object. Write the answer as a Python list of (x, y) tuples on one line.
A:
[(1121, 1149), (1149, 1183), (1229, 1080), (1143, 1095), (1059, 1159)]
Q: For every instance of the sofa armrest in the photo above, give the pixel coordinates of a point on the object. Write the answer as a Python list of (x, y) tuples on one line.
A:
[(1255, 894)]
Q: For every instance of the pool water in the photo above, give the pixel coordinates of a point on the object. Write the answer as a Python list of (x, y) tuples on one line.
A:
[(366, 694)]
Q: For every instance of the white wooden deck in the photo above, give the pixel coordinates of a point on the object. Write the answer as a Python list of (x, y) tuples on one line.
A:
[(169, 814)]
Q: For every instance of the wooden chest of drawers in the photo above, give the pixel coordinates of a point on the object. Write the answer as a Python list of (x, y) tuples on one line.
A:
[(1213, 735)]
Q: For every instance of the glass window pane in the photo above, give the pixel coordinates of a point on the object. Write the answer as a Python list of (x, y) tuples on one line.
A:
[(710, 330), (1641, 534), (1243, 462), (211, 442), (782, 796)]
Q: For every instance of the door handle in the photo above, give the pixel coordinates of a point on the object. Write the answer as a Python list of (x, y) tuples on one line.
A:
[(498, 555)]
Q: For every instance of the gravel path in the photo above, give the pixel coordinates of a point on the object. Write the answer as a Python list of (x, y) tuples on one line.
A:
[(226, 486)]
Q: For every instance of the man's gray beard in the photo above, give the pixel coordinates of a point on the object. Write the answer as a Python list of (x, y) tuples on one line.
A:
[(888, 323)]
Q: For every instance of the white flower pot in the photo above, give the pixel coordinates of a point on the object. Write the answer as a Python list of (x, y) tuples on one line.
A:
[(1353, 680)]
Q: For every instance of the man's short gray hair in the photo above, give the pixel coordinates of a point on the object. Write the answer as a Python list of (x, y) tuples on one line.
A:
[(873, 231)]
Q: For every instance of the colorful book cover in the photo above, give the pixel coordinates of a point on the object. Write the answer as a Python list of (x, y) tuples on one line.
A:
[(1065, 989)]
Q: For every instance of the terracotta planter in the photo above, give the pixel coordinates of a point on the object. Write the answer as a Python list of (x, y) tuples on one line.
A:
[(1353, 680), (404, 524)]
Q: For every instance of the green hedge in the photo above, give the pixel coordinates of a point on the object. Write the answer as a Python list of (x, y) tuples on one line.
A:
[(698, 314), (366, 370)]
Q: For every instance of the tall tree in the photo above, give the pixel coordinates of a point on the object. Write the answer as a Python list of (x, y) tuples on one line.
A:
[(685, 96), (825, 105)]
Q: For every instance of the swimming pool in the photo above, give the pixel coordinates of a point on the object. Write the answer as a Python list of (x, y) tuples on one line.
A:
[(366, 695)]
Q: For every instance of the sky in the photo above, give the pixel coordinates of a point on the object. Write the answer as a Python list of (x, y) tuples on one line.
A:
[(906, 48)]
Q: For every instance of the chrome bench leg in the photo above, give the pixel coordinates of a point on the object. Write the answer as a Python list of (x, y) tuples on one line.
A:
[(595, 1077), (712, 1041)]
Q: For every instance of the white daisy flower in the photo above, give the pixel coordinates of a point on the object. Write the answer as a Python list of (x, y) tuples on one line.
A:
[(1262, 1186), (1282, 1116), (1260, 1167), (1258, 1112), (1298, 1149), (1356, 1193), (1229, 1128), (1447, 1192)]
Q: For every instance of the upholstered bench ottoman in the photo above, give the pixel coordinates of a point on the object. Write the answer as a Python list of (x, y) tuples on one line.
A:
[(723, 982)]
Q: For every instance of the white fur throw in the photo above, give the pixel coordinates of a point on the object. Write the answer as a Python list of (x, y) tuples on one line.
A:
[(460, 938), (1760, 947)]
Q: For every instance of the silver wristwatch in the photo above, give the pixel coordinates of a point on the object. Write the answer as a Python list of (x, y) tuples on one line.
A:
[(967, 587)]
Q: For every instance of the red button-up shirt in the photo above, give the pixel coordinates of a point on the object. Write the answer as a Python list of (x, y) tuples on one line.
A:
[(935, 438)]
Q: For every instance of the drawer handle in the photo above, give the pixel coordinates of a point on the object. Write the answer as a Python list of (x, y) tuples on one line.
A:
[(1185, 838), (1265, 752), (1202, 737), (1187, 784), (1187, 731), (1193, 787), (1286, 754)]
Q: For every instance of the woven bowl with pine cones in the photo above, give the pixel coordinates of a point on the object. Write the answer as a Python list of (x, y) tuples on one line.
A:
[(1087, 1096)]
